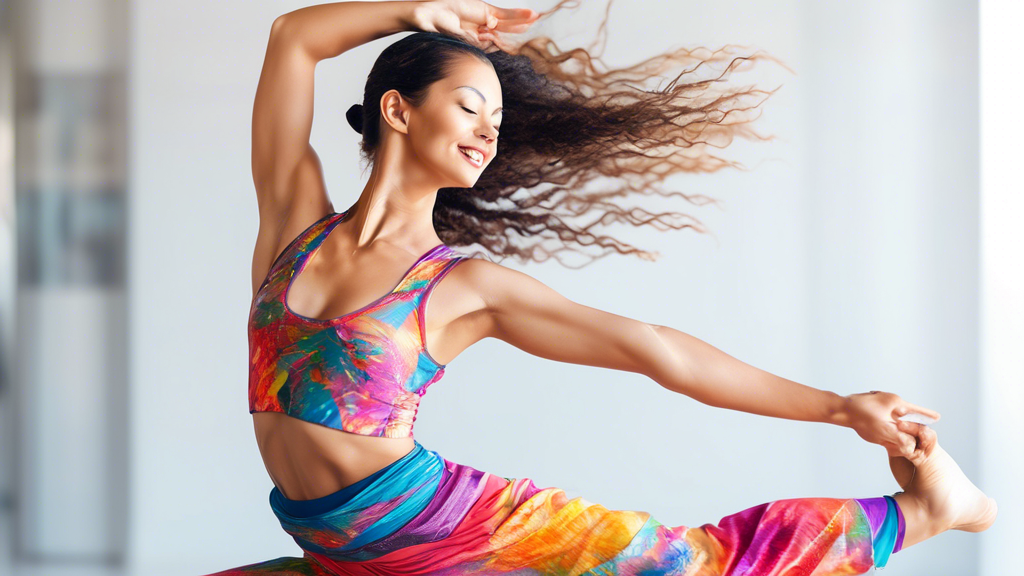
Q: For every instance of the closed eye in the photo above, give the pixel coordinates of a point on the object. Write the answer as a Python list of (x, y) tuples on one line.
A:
[(473, 113)]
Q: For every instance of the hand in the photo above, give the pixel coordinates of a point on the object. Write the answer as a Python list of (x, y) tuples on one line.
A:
[(873, 415), (474, 21)]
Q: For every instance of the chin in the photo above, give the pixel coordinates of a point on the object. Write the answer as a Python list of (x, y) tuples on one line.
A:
[(460, 176), (467, 175), (466, 180)]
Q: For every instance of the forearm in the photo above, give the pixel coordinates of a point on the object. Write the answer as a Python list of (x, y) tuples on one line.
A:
[(706, 374), (327, 30)]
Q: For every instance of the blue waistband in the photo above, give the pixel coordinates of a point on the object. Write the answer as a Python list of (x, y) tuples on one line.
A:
[(383, 505), (316, 506)]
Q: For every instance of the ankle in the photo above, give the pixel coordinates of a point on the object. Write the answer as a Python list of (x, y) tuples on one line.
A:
[(921, 521)]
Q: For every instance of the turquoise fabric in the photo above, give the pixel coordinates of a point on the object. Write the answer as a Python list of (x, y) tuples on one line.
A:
[(885, 540)]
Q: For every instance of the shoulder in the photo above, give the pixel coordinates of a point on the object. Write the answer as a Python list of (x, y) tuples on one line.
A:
[(492, 286)]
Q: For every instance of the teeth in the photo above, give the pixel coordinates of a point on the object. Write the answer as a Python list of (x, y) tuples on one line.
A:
[(474, 154)]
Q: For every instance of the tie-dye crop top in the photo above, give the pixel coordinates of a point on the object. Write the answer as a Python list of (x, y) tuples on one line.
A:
[(363, 372)]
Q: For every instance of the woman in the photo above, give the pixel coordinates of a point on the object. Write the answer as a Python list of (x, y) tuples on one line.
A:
[(337, 370)]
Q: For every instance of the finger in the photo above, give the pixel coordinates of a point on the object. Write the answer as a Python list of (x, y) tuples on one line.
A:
[(477, 15), (471, 33), (512, 28), (513, 13), (491, 38), (472, 37), (494, 42), (928, 440), (907, 407), (896, 447), (509, 22), (908, 443), (529, 20), (490, 20), (487, 40), (910, 429), (913, 428)]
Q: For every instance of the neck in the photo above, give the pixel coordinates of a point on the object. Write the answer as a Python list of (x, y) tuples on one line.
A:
[(395, 206)]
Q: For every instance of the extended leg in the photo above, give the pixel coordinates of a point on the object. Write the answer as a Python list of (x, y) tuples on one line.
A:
[(795, 536), (817, 535)]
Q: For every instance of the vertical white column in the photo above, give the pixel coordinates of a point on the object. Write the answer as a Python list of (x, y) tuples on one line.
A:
[(1002, 283)]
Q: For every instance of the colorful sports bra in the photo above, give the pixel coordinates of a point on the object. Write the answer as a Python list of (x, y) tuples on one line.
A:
[(363, 372)]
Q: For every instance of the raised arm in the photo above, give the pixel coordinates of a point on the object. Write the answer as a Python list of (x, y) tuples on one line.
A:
[(286, 170), (531, 316)]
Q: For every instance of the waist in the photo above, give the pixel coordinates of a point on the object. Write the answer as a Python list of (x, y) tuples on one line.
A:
[(403, 491), (308, 461), (316, 506)]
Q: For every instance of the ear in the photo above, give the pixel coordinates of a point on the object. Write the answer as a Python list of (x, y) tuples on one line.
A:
[(395, 111)]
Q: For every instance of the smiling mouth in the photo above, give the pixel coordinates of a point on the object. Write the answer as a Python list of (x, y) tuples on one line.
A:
[(474, 157)]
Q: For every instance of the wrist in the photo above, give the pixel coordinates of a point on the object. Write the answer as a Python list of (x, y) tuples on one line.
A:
[(836, 410), (412, 16)]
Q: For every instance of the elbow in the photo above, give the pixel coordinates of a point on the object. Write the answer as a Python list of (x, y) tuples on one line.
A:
[(666, 363), (282, 26), (278, 26), (285, 33)]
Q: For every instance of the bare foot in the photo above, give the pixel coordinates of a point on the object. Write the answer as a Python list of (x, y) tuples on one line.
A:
[(931, 475)]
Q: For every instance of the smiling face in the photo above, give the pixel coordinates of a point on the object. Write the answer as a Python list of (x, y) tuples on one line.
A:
[(454, 133)]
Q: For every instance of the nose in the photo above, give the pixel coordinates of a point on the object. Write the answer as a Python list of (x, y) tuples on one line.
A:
[(489, 134)]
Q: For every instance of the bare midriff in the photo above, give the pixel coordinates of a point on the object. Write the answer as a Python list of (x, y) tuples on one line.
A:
[(307, 461)]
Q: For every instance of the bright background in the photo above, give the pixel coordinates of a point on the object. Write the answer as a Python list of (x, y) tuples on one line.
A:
[(874, 245)]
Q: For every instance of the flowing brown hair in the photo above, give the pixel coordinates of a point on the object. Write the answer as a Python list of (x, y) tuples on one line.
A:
[(565, 122)]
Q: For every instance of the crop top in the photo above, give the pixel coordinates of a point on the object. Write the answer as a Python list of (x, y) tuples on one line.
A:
[(363, 372)]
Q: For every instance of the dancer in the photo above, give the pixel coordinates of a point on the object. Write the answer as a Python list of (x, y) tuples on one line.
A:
[(336, 376)]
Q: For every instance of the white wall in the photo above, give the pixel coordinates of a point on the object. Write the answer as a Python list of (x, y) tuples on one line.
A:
[(846, 260), (1001, 430)]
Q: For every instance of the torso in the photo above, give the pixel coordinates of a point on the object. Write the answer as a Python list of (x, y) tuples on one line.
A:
[(307, 460)]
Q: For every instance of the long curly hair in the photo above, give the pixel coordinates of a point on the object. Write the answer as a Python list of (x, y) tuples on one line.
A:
[(565, 123)]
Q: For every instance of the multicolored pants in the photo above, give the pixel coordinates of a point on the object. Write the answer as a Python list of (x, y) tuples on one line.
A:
[(426, 515)]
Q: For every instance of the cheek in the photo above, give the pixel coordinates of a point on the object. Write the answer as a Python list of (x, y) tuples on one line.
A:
[(435, 148), (424, 143), (437, 141), (436, 151), (430, 136)]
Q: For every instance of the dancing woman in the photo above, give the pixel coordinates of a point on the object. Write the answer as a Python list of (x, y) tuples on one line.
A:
[(337, 370)]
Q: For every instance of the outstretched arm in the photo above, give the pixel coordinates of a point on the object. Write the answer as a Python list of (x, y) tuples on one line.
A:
[(535, 318)]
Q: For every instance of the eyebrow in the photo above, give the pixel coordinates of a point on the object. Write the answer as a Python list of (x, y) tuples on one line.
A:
[(484, 98)]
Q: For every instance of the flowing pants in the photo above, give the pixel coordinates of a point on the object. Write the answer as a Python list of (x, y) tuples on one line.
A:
[(426, 515)]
